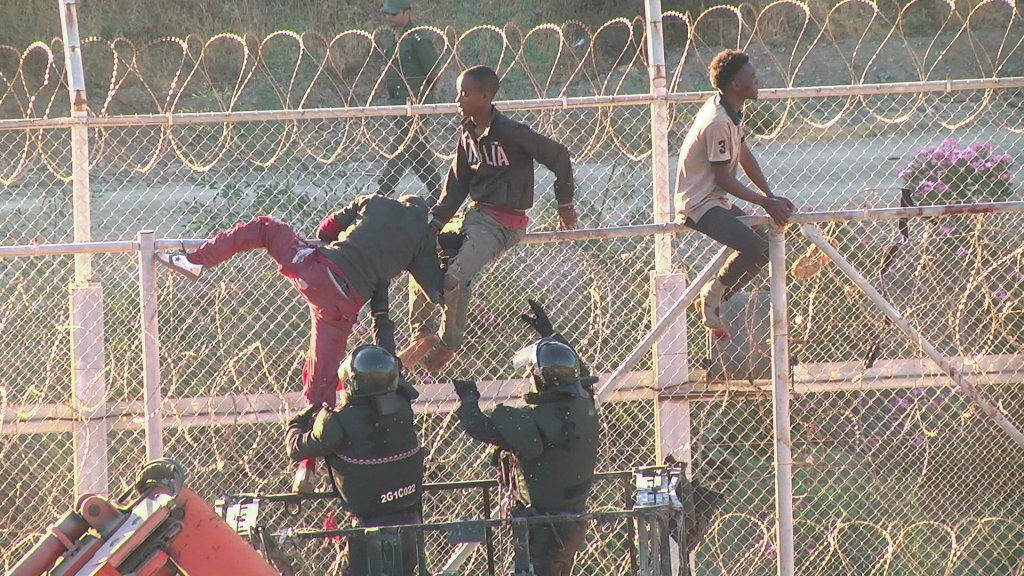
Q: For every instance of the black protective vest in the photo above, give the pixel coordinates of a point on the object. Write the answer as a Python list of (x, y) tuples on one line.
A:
[(379, 470), (556, 447)]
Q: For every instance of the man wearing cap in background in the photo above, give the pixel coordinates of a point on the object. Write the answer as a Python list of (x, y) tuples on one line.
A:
[(408, 79)]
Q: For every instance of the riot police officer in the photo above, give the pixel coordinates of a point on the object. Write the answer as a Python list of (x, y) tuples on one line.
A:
[(371, 446), (553, 442)]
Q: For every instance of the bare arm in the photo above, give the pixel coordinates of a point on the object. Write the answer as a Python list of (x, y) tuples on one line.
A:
[(753, 170), (778, 208)]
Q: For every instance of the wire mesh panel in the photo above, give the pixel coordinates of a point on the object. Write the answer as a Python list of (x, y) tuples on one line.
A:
[(895, 469), (35, 383)]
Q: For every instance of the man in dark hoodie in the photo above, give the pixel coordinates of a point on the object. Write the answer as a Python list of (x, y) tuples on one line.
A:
[(493, 168), (365, 245)]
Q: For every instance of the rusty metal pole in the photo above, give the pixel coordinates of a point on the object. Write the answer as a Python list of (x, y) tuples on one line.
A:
[(88, 356)]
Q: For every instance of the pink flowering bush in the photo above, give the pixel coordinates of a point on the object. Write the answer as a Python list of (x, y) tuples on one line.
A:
[(953, 174)]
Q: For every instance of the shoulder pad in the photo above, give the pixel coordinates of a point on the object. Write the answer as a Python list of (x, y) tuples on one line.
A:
[(326, 426), (518, 429)]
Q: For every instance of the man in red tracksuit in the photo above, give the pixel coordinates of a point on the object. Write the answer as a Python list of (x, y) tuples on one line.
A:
[(366, 245)]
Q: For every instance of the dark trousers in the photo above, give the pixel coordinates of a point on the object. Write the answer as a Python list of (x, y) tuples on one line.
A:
[(410, 151), (751, 246), (332, 313), (553, 546), (357, 545)]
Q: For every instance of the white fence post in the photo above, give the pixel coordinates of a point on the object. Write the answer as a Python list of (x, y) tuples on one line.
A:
[(670, 354), (780, 386), (150, 345), (88, 357)]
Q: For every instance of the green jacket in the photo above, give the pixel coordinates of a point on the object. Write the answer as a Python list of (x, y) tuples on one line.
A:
[(404, 76), (375, 238), (376, 458)]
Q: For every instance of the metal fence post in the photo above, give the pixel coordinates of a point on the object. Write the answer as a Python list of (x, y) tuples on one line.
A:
[(150, 345), (88, 357), (670, 354), (780, 387), (659, 134)]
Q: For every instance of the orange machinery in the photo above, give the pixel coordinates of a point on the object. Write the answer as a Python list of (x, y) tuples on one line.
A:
[(160, 528)]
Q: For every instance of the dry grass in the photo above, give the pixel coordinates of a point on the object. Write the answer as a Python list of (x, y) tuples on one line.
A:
[(26, 21)]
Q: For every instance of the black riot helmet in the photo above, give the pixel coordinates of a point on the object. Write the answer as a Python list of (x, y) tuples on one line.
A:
[(551, 363), (369, 371)]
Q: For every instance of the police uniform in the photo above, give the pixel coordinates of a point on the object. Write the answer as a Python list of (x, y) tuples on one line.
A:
[(404, 79), (371, 445), (554, 441)]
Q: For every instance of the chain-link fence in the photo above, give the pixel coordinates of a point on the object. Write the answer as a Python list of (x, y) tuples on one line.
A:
[(894, 468)]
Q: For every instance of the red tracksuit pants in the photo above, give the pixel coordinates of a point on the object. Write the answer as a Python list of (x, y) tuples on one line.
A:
[(332, 312)]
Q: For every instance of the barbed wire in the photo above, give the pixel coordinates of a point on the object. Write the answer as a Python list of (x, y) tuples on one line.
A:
[(297, 71)]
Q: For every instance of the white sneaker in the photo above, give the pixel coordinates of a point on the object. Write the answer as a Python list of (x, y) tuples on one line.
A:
[(711, 304), (178, 262)]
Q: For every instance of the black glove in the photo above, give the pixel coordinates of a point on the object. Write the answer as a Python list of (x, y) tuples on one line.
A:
[(450, 241), (305, 417), (466, 390), (448, 244), (539, 321)]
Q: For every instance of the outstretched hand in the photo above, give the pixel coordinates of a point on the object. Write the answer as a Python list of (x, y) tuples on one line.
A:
[(539, 320), (466, 390)]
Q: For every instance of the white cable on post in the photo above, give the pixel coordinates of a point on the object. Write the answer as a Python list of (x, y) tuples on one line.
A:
[(150, 345)]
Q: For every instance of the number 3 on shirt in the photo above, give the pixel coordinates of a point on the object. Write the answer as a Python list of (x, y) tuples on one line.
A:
[(721, 146)]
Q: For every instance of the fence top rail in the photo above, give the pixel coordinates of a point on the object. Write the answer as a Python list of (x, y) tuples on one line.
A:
[(805, 92), (296, 497), (600, 517), (569, 235)]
